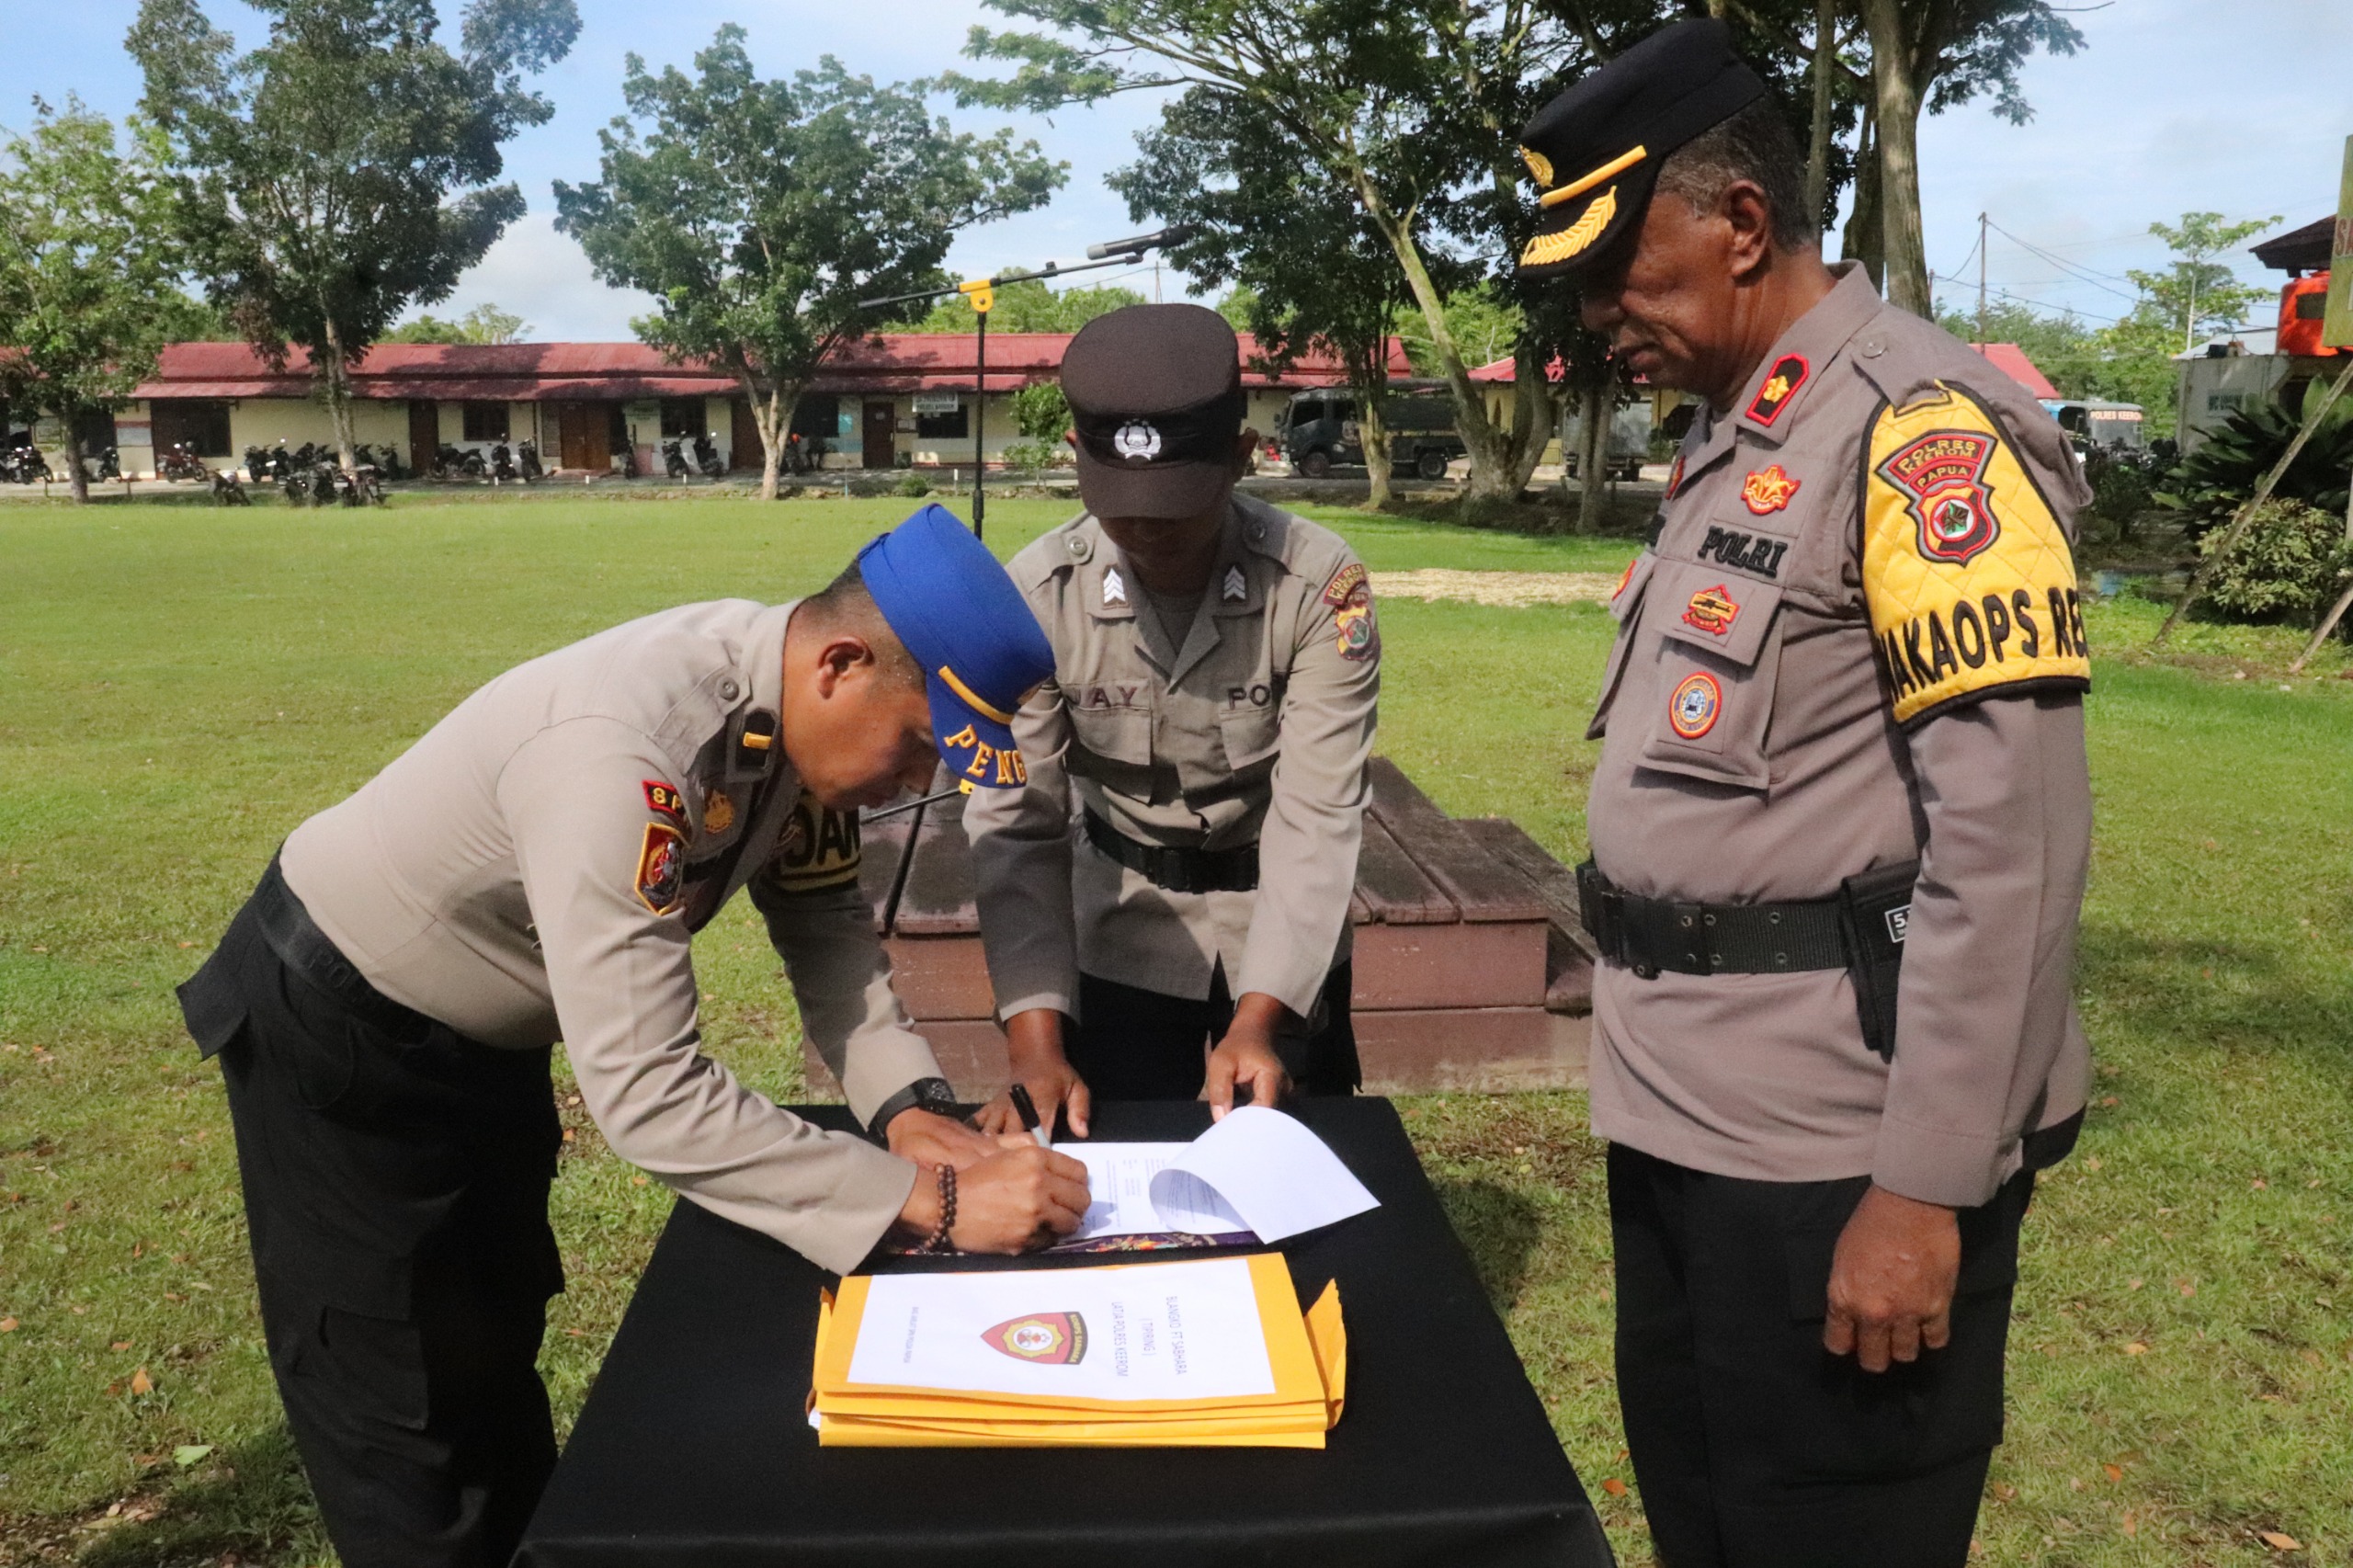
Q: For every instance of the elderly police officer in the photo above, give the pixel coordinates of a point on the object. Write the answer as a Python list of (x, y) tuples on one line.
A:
[(531, 869), (1839, 827), (1216, 668)]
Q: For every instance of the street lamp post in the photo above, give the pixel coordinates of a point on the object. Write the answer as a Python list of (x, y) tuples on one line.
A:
[(982, 292)]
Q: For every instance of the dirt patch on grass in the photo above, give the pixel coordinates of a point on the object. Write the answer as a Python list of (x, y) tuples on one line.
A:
[(1512, 589)]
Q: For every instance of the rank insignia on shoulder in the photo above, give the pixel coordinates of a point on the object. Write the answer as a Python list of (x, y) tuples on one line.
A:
[(661, 868), (1115, 592), (1237, 588), (1790, 372), (1967, 573), (1767, 490), (1713, 611), (718, 812), (660, 797), (1693, 705)]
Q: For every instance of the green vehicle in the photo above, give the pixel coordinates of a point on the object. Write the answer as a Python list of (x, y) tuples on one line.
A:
[(1318, 430)]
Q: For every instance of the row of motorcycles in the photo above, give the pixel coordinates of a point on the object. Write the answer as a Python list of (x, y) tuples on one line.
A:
[(520, 465), (21, 463), (707, 461)]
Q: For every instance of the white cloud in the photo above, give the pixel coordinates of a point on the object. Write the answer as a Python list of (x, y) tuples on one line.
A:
[(543, 276)]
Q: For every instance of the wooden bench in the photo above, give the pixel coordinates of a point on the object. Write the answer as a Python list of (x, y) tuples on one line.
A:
[(1472, 969)]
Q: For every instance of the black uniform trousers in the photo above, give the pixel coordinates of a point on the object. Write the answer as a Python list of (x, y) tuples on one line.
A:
[(1754, 1447), (396, 1181), (1133, 1044)]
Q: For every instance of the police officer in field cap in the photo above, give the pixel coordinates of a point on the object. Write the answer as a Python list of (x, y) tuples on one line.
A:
[(532, 869), (1839, 829), (1216, 668)]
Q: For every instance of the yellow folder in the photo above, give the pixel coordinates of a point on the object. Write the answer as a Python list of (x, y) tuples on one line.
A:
[(1307, 1355)]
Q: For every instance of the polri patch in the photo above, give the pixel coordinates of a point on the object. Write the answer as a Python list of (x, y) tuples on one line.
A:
[(1790, 372), (1713, 611), (1941, 476), (1767, 490), (718, 811), (662, 868), (1760, 553), (1693, 707), (1350, 593), (661, 797)]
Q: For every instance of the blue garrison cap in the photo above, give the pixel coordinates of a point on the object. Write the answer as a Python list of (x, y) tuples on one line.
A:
[(962, 618)]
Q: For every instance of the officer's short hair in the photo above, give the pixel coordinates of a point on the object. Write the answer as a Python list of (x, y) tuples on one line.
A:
[(1756, 144), (846, 605)]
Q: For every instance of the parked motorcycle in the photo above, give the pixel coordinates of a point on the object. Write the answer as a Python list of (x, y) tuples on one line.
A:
[(527, 457), (178, 464), (227, 492), (501, 464), (707, 457), (103, 464), (674, 461), (24, 462)]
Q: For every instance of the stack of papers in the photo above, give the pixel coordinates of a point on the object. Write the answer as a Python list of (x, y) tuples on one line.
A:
[(1256, 1175), (1213, 1353)]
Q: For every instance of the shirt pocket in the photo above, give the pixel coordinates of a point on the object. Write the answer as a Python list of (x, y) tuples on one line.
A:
[(1623, 603), (1251, 735), (1109, 738), (1718, 643)]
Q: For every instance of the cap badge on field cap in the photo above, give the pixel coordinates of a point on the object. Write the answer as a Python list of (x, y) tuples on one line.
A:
[(1137, 441)]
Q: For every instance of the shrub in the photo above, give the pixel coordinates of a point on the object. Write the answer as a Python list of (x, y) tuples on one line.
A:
[(2212, 483), (2120, 491), (1042, 412), (915, 484), (1036, 454), (2291, 564)]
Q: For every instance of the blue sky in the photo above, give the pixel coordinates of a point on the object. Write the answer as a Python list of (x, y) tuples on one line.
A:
[(2240, 107)]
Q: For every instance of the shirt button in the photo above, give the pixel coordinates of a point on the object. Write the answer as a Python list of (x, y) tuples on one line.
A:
[(728, 690), (1873, 348)]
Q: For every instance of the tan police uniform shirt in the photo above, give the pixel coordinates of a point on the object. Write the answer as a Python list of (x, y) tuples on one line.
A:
[(1854, 642), (1254, 730), (532, 868)]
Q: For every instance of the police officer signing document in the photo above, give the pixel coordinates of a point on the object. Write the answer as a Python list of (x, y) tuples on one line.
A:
[(530, 870), (1839, 828), (1216, 667)]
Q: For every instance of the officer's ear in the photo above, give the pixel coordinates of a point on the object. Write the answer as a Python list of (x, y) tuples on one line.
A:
[(842, 653), (1748, 211)]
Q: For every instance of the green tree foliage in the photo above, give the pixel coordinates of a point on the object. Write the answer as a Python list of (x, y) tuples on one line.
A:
[(86, 249), (759, 214), (2198, 294), (484, 324), (344, 170), (1487, 324), (2125, 362), (1029, 306), (1041, 410), (2290, 565)]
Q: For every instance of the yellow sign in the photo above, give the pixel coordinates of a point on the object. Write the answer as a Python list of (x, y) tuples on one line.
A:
[(2337, 328), (981, 294)]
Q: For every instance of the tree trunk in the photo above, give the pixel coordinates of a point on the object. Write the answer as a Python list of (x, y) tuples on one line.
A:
[(1372, 431), (1490, 449), (1536, 408), (1898, 101), (1817, 155), (772, 416), (335, 377), (75, 477), (1593, 456), (1863, 241)]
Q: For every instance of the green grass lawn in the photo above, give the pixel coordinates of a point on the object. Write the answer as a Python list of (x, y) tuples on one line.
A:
[(179, 686)]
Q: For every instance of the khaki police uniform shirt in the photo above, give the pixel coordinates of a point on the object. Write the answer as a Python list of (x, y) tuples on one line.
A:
[(1854, 642), (531, 871), (1254, 730)]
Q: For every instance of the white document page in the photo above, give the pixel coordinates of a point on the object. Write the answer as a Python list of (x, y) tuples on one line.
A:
[(1264, 1167), (1119, 1179), (1156, 1331)]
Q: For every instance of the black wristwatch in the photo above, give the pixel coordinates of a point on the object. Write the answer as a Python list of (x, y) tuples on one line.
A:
[(933, 1095)]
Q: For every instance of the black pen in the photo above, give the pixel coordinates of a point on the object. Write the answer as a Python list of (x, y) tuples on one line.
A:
[(1027, 1109)]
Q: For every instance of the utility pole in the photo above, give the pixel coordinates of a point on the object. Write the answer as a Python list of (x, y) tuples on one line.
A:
[(1981, 226)]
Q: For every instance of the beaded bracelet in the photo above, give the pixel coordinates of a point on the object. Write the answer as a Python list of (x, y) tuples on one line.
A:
[(937, 1240)]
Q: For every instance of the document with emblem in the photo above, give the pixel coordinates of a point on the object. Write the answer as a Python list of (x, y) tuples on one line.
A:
[(1209, 1351), (1258, 1174)]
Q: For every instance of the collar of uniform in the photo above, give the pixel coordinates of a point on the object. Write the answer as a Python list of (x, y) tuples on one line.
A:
[(1814, 337), (759, 680)]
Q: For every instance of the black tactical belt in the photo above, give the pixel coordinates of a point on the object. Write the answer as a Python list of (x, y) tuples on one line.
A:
[(310, 953), (1651, 935), (1178, 871)]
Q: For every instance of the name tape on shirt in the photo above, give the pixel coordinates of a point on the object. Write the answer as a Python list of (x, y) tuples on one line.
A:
[(819, 848), (1350, 593), (662, 868), (1969, 577)]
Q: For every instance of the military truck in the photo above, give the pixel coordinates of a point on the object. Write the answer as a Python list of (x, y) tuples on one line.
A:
[(1318, 430)]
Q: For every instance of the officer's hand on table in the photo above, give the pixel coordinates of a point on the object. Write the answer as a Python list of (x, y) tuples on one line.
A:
[(1016, 1199), (932, 1139), (1034, 1043), (1247, 1055), (1891, 1280)]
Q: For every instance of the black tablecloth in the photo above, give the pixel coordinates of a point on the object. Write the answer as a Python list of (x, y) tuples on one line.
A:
[(694, 1448)]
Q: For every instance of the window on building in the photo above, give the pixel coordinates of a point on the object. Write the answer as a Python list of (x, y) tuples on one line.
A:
[(485, 422), (201, 424), (944, 424), (95, 427), (683, 418), (818, 416), (616, 427)]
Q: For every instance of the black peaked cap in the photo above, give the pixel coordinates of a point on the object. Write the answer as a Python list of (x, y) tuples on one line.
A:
[(1596, 148), (1155, 402)]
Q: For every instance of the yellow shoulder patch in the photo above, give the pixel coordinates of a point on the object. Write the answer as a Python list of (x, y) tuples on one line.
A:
[(1967, 576), (818, 849)]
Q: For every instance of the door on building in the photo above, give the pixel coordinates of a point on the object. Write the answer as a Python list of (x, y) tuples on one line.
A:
[(424, 434), (583, 436), (744, 450), (881, 426)]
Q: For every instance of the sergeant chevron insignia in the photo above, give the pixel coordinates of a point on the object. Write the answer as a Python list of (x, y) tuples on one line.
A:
[(1115, 592), (1237, 587)]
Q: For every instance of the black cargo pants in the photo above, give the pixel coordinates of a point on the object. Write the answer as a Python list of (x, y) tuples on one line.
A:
[(1754, 1447), (1133, 1044), (396, 1186)]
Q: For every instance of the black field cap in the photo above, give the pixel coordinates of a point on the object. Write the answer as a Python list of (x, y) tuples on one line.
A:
[(1596, 149), (1156, 399)]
